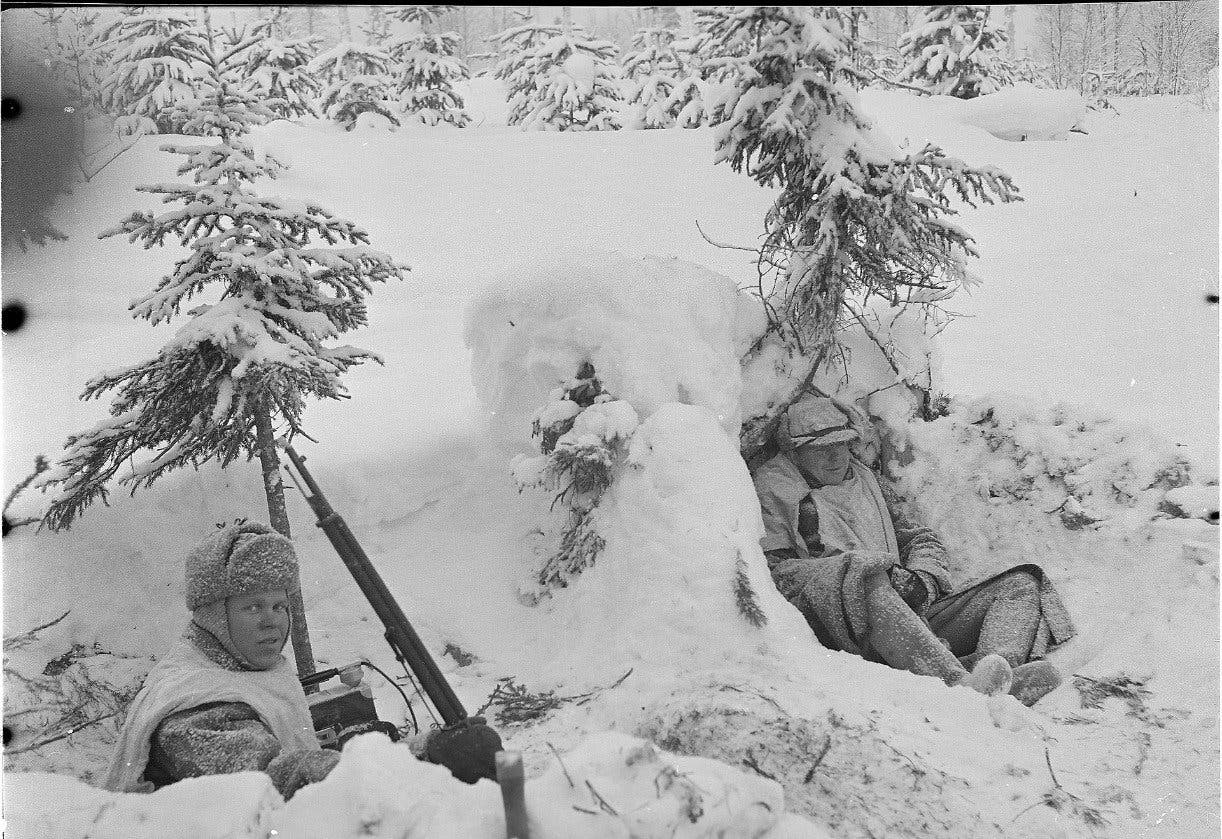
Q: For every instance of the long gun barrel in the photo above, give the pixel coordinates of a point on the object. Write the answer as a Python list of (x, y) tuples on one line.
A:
[(403, 640)]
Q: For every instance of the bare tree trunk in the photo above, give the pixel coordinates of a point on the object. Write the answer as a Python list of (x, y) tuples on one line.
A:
[(273, 489), (1115, 37), (310, 20)]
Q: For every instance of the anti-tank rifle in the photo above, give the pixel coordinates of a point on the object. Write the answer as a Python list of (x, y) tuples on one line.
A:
[(465, 745)]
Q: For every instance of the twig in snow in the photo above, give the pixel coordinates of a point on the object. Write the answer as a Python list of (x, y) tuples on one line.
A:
[(751, 763), (602, 802), (49, 740), (560, 760), (827, 746), (28, 636)]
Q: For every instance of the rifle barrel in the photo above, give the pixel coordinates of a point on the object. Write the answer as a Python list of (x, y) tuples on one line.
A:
[(400, 633)]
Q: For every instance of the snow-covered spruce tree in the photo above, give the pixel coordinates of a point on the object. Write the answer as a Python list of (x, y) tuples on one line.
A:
[(514, 46), (73, 52), (954, 51), (654, 69), (358, 80), (277, 73), (854, 217), (240, 366), (153, 55), (427, 67), (560, 80)]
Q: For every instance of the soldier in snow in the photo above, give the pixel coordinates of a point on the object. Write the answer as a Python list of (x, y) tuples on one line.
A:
[(224, 699), (873, 583)]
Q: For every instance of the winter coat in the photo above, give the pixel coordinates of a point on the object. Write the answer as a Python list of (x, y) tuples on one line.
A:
[(200, 713), (829, 583), (781, 489)]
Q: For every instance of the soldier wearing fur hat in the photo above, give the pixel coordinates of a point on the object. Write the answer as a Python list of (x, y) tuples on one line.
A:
[(872, 582), (224, 699)]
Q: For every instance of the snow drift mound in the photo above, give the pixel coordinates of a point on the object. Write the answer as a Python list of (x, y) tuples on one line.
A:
[(656, 330), (675, 587), (610, 785), (1021, 112)]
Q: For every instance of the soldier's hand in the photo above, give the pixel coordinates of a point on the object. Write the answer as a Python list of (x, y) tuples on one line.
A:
[(910, 587)]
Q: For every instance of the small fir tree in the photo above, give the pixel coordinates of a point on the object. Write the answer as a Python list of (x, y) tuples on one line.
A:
[(427, 67), (854, 216), (954, 51), (290, 277), (653, 69), (278, 74), (358, 81), (153, 55), (560, 80), (514, 46), (74, 53)]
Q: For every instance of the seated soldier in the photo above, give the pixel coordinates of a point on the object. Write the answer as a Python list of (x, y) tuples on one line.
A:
[(224, 699), (873, 583)]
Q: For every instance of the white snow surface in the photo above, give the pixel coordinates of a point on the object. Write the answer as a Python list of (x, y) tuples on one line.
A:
[(1092, 296)]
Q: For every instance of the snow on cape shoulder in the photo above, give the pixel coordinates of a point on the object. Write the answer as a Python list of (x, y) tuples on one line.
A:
[(379, 789), (656, 330)]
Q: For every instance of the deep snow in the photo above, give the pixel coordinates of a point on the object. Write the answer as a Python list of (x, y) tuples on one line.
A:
[(1082, 287)]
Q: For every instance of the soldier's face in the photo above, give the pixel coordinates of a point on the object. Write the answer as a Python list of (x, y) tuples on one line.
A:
[(823, 465), (259, 625)]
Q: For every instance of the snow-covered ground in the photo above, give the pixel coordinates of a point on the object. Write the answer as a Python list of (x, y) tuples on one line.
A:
[(1093, 293)]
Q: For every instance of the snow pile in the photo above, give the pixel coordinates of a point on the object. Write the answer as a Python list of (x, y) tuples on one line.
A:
[(38, 805), (679, 521), (1021, 112), (1021, 467), (1025, 112), (656, 331), (610, 785)]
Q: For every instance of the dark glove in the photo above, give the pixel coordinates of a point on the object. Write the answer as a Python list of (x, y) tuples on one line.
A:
[(467, 748), (910, 586)]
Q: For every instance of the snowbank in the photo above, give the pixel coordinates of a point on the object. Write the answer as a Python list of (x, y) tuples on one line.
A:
[(656, 330), (611, 785), (1021, 112)]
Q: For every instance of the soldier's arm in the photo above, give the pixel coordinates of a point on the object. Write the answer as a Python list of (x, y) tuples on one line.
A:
[(921, 550)]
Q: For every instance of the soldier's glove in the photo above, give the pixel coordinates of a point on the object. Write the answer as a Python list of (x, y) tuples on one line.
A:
[(910, 587)]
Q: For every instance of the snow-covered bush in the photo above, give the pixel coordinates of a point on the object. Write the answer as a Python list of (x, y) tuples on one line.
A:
[(583, 432), (153, 56), (954, 50), (277, 72), (559, 80), (357, 81)]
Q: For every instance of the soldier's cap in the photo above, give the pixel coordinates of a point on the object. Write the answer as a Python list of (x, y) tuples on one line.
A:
[(815, 421)]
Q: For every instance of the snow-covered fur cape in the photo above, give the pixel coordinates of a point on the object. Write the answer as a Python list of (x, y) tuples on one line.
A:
[(186, 678), (832, 588)]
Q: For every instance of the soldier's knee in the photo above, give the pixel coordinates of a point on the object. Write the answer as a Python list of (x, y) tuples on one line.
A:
[(1021, 583)]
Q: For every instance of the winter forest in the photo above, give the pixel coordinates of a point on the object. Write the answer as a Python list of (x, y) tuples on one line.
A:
[(532, 422)]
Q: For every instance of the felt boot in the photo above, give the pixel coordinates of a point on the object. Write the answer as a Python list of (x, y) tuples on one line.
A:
[(990, 676), (1033, 681)]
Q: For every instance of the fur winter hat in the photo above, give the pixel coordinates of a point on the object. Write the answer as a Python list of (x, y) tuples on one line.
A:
[(240, 559), (815, 421)]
